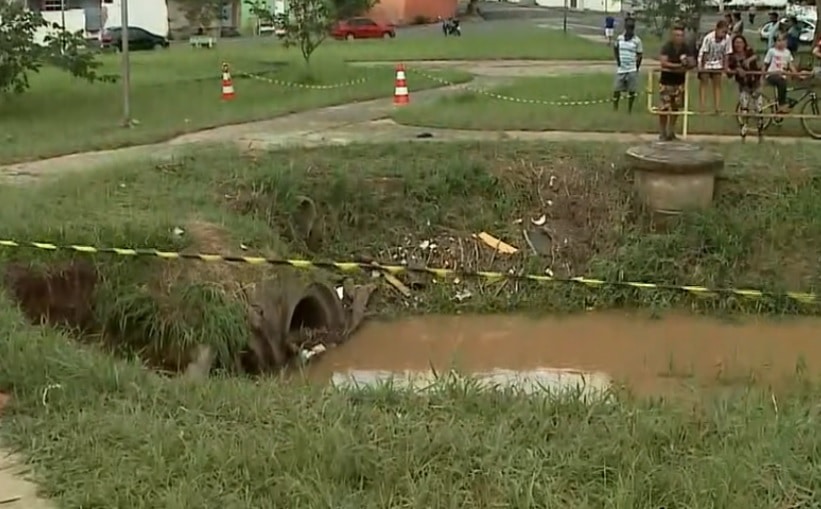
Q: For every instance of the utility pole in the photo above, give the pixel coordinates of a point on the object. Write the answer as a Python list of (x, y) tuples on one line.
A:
[(63, 20), (126, 64), (564, 18)]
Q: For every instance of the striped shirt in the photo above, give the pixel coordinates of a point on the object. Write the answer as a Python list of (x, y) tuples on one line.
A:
[(629, 50), (713, 52)]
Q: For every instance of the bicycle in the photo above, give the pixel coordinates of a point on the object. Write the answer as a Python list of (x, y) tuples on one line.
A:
[(810, 105)]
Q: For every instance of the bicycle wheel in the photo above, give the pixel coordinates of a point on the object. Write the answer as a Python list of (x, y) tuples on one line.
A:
[(812, 126), (770, 108)]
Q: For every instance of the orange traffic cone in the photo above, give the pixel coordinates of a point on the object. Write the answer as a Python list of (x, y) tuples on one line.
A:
[(227, 84), (400, 92)]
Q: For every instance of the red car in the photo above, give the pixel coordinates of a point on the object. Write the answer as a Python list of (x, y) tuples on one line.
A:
[(362, 28)]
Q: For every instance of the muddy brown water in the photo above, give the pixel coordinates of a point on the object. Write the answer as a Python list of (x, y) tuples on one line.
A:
[(650, 355)]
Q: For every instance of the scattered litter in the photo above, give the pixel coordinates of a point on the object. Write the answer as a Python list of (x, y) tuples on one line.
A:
[(426, 244), (177, 231), (308, 353), (540, 221), (243, 247), (496, 244), (549, 203), (462, 295), (398, 285), (551, 181), (518, 221), (48, 388), (549, 272), (340, 292)]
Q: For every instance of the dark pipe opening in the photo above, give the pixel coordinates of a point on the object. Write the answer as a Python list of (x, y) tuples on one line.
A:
[(310, 314)]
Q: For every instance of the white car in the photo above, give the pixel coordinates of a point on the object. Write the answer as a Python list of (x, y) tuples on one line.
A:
[(807, 30)]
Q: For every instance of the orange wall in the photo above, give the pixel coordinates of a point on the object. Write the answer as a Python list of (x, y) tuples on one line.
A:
[(402, 12)]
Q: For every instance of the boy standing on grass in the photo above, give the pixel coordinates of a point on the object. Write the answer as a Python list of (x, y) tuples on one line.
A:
[(628, 51), (609, 28)]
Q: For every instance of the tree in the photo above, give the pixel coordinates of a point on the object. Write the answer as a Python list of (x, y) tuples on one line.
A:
[(306, 23), (660, 15), (21, 54), (201, 13)]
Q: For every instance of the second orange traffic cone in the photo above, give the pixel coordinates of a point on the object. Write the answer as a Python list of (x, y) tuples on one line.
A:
[(227, 84), (400, 91)]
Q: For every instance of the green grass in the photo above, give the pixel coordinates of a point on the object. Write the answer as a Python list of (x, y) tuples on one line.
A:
[(173, 93), (375, 201), (178, 91), (475, 110), (115, 435)]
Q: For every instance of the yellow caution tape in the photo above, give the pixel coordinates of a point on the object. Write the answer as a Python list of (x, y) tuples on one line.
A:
[(701, 291)]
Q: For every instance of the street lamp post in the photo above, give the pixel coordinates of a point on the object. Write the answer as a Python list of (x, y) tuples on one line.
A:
[(564, 17), (126, 65), (63, 22)]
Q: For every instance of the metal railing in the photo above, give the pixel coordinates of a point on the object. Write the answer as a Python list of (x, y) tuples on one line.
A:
[(805, 78)]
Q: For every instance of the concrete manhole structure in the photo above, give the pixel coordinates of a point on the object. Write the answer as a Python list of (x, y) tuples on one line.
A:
[(671, 177)]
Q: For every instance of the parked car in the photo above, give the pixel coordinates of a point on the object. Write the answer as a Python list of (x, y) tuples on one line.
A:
[(138, 39), (807, 30), (362, 28)]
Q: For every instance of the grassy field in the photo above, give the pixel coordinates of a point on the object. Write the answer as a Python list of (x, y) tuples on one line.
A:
[(178, 91), (113, 434), (475, 110)]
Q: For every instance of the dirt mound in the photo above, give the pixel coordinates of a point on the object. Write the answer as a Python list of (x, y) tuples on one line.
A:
[(191, 316), (563, 217), (59, 295)]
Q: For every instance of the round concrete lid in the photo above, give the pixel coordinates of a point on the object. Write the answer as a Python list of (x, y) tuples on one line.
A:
[(673, 157)]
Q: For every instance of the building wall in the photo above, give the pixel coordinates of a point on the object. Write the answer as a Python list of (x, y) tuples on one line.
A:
[(403, 12)]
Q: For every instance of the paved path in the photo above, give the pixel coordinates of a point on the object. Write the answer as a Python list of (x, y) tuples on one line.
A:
[(363, 122), (16, 491)]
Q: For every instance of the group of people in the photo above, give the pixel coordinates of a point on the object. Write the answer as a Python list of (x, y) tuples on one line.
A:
[(723, 51)]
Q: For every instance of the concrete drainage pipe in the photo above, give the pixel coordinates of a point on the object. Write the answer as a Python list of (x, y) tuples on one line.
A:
[(285, 318)]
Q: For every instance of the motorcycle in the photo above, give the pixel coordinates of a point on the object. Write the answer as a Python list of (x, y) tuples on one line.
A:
[(451, 26)]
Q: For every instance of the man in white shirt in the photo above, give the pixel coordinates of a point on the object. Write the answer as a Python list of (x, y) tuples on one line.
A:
[(712, 62), (628, 51)]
